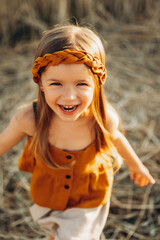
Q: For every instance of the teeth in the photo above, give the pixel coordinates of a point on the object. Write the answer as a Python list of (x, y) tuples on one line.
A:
[(69, 108)]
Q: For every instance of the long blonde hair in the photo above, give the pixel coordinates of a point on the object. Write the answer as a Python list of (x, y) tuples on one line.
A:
[(78, 38)]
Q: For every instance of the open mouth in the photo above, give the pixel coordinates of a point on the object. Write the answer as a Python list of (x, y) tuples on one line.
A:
[(68, 108)]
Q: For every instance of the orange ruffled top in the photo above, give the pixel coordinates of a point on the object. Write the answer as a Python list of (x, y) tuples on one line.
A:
[(87, 184)]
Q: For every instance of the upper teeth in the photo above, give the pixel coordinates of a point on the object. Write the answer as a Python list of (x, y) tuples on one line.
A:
[(70, 106)]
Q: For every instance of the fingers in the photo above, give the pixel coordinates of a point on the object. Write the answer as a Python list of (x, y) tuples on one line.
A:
[(148, 177), (140, 180), (51, 238), (132, 175), (143, 182), (151, 179)]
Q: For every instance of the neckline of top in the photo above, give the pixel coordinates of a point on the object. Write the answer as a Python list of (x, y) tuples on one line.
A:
[(73, 151)]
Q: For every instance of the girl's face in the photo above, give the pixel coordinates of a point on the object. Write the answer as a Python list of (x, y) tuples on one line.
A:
[(68, 90)]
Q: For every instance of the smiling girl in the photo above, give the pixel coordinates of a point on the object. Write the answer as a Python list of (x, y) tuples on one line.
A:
[(73, 138)]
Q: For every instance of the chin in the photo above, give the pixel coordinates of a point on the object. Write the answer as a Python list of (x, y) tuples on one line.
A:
[(69, 118)]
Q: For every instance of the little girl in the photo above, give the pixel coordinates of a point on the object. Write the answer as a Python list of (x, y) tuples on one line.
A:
[(73, 137)]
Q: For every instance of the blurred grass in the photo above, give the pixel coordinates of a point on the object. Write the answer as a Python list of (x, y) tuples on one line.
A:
[(130, 30)]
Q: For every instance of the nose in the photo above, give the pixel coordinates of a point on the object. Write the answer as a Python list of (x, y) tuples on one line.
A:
[(69, 93)]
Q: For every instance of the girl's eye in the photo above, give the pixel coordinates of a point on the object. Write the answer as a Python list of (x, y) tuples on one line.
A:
[(55, 84), (82, 84)]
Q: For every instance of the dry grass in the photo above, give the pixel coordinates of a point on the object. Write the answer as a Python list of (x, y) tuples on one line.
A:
[(25, 20), (132, 87)]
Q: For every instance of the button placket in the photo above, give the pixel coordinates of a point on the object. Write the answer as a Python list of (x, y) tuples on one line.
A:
[(67, 181), (68, 176)]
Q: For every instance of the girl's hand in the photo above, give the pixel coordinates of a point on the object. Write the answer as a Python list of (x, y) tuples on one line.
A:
[(51, 238), (141, 176)]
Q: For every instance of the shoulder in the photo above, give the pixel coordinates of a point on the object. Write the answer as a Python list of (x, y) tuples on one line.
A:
[(25, 118), (113, 119)]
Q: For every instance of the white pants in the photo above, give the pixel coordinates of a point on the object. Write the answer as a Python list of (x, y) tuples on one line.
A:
[(73, 223)]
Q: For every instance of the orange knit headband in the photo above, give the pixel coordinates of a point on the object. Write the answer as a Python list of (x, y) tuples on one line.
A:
[(68, 56)]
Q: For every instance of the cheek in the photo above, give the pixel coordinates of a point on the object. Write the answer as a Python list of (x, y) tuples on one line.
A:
[(49, 96), (88, 97)]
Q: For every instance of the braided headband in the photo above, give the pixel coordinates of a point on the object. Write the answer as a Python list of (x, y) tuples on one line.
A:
[(68, 56)]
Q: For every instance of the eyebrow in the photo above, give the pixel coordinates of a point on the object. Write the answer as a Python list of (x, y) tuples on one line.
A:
[(59, 80), (53, 79)]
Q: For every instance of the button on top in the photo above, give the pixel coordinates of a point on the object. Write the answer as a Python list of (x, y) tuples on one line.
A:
[(68, 176), (68, 156)]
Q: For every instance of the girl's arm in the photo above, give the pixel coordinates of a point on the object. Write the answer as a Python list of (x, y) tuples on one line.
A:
[(12, 135), (21, 124), (138, 172)]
